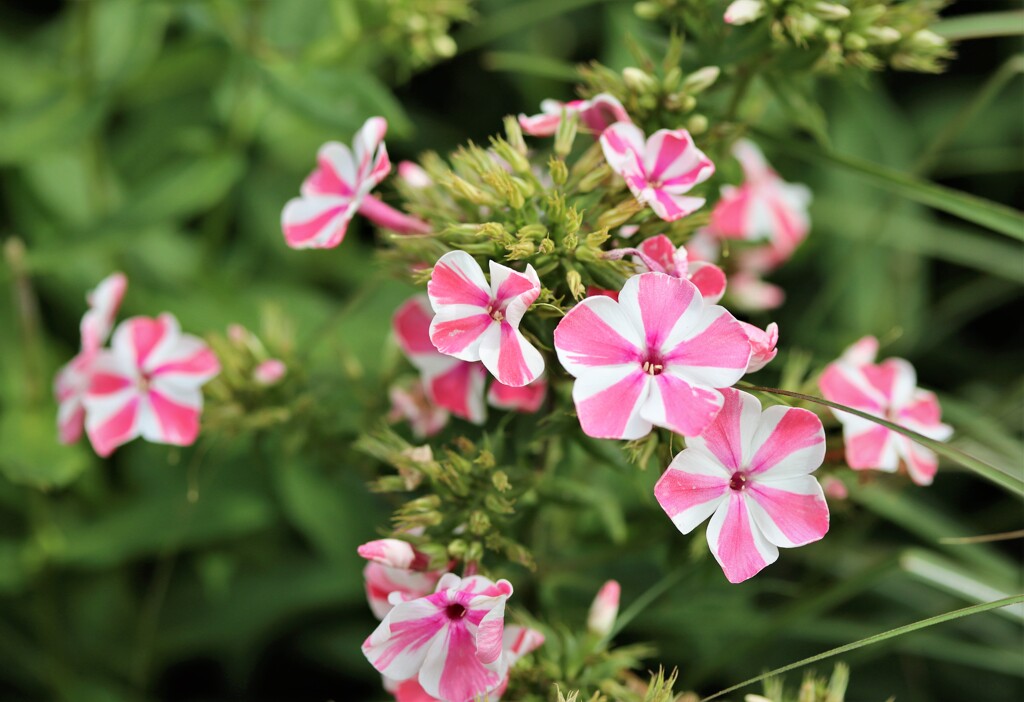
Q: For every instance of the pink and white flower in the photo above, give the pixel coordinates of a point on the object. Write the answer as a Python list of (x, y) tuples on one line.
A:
[(454, 385), (747, 291), (73, 379), (595, 115), (269, 372), (410, 402), (660, 255), (658, 356), (658, 170), (887, 390), (763, 344), (474, 321), (763, 207), (393, 553), (148, 384), (386, 584), (339, 187), (527, 398), (450, 642), (604, 609), (750, 471)]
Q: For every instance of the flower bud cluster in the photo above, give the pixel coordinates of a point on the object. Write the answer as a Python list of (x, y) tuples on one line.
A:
[(419, 30)]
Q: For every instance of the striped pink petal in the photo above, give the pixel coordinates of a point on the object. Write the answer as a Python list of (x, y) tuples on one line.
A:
[(736, 542), (104, 301), (763, 344), (317, 221), (527, 398), (386, 216), (595, 115), (459, 388)]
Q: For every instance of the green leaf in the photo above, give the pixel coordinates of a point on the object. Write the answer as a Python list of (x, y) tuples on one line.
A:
[(985, 213), (54, 122), (1000, 476), (29, 451), (514, 18), (981, 25), (871, 640), (531, 65)]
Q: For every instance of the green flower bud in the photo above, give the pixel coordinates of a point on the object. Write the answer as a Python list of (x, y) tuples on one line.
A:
[(457, 549), (479, 523), (620, 214), (500, 479), (638, 81), (855, 42), (558, 170), (566, 135), (831, 11), (697, 124), (575, 283), (701, 79), (594, 178), (647, 10), (535, 232), (882, 35), (546, 246)]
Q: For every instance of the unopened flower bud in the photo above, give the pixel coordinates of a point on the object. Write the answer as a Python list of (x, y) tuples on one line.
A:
[(457, 548), (269, 372), (413, 175), (637, 80), (831, 11), (697, 124), (834, 488), (620, 214), (238, 334), (744, 11), (701, 79), (594, 178), (927, 39), (831, 34), (566, 135), (514, 134), (479, 523), (647, 10), (546, 246), (533, 231), (444, 46), (596, 238), (605, 609), (855, 42), (558, 170), (500, 481), (521, 249), (394, 553), (883, 35)]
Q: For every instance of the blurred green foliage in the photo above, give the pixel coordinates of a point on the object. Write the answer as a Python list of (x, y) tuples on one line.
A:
[(162, 137)]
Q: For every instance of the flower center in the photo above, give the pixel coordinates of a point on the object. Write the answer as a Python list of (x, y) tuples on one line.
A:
[(144, 381), (455, 611), (495, 312), (653, 365), (738, 481)]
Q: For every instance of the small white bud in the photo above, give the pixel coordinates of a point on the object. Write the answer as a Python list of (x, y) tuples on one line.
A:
[(744, 11), (605, 609)]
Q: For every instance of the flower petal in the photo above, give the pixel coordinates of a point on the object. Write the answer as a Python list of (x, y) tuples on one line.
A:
[(921, 462), (175, 410), (673, 161), (728, 438), (104, 301), (527, 398), (458, 330), (676, 404), (709, 279), (459, 388), (666, 308), (871, 446), (790, 512), (789, 442), (457, 279), (399, 645), (713, 351), (597, 332), (513, 292), (509, 357), (669, 206), (623, 145), (317, 221), (736, 543), (608, 401), (691, 489), (411, 326)]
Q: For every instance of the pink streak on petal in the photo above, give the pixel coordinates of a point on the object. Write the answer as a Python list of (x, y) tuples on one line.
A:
[(450, 286), (662, 301), (709, 279), (324, 180), (513, 286), (117, 430), (203, 362), (453, 336), (451, 390), (592, 341), (512, 368), (299, 233), (70, 430), (689, 409), (721, 345), (662, 251), (836, 387), (729, 218), (146, 333), (464, 678), (411, 691), (882, 377), (798, 429), (411, 323), (408, 634), (677, 490), (737, 552), (722, 437), (179, 423), (923, 409), (527, 398), (802, 518), (107, 383), (606, 414), (865, 450)]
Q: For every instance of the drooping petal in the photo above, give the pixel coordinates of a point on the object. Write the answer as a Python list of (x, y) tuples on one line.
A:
[(789, 512), (104, 301), (691, 489), (729, 437), (736, 542), (317, 221), (509, 357), (789, 442), (527, 399), (597, 332)]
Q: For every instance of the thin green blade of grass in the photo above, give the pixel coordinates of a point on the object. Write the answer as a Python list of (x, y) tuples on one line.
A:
[(871, 640), (985, 213), (515, 18), (1002, 477), (530, 64), (981, 25)]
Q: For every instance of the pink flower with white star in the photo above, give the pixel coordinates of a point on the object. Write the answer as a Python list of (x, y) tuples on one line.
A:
[(750, 471), (763, 344), (73, 379), (887, 390), (595, 115), (148, 384), (396, 571), (658, 356), (454, 385), (450, 642), (763, 207), (659, 170), (339, 187), (660, 255), (474, 321)]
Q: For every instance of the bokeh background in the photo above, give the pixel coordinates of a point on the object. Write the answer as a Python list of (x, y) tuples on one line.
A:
[(162, 138)]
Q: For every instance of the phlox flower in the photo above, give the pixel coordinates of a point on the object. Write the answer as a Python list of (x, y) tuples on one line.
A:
[(595, 115), (73, 379), (339, 187), (148, 384), (395, 571), (887, 390), (658, 170), (762, 345), (660, 255), (474, 321), (448, 383), (516, 642), (450, 642), (750, 471), (763, 207), (657, 356), (748, 291), (410, 402)]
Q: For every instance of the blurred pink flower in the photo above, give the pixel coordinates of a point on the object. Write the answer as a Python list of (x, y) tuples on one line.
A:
[(596, 115)]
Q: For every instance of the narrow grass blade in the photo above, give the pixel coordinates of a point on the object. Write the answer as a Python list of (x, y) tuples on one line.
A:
[(516, 17), (877, 638), (531, 65), (981, 25), (999, 476)]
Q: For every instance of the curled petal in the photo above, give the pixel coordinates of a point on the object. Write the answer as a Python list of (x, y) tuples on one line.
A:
[(762, 345), (104, 301)]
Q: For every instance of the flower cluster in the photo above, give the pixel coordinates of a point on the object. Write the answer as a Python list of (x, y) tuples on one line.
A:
[(147, 383)]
